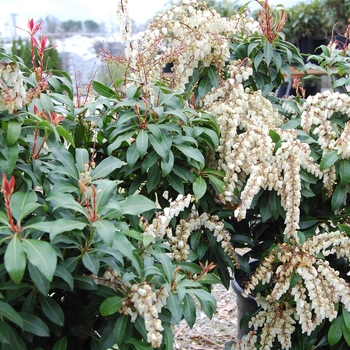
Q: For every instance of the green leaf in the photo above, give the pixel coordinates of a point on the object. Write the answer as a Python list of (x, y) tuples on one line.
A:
[(91, 262), (111, 305), (191, 152), (346, 333), (15, 260), (189, 310), (107, 166), (205, 85), (160, 146), (40, 281), (9, 159), (132, 155), (61, 344), (166, 263), (335, 331), (206, 300), (82, 158), (344, 172), (168, 338), (346, 318), (328, 160), (106, 230), (65, 134), (119, 329), (138, 344), (167, 166), (199, 187), (175, 307), (136, 204), (176, 183), (338, 196), (153, 177), (142, 142), (103, 90), (268, 52), (11, 314), (46, 103), (35, 325), (67, 161), (63, 273), (275, 204), (13, 131), (52, 310), (41, 255), (23, 204), (64, 225)]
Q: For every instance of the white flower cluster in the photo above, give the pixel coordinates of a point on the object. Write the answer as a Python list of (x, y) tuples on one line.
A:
[(188, 35), (179, 239), (13, 94), (140, 300), (316, 294), (160, 224), (124, 20), (148, 304), (317, 111)]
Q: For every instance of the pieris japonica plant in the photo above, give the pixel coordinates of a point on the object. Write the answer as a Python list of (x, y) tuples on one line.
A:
[(122, 205)]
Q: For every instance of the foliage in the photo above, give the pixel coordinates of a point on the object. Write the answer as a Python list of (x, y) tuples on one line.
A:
[(307, 19), (123, 206)]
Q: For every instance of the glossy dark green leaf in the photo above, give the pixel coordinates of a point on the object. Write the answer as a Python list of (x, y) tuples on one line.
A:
[(189, 310), (106, 167), (35, 325), (106, 230), (160, 146), (328, 160), (175, 307), (52, 310), (41, 282), (103, 90), (111, 305), (136, 204), (82, 158), (149, 161), (7, 311), (63, 273), (9, 159), (344, 172), (142, 142), (61, 344), (346, 333), (153, 177), (132, 155), (67, 161), (206, 300), (167, 166), (191, 152), (15, 259), (176, 183), (41, 255), (64, 225), (91, 262), (335, 331), (346, 318), (275, 204), (338, 196), (65, 134), (22, 204), (168, 338), (139, 344), (119, 329), (13, 131), (199, 187)]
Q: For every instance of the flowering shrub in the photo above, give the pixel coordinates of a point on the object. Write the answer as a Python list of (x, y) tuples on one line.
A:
[(122, 206)]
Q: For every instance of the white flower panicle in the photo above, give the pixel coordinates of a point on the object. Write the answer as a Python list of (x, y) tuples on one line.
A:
[(140, 300), (13, 94), (316, 293)]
